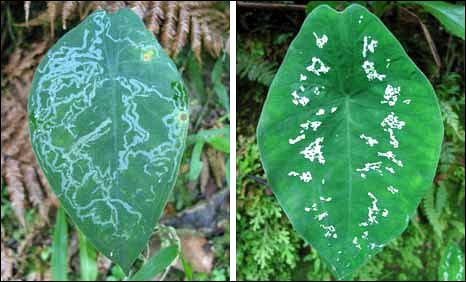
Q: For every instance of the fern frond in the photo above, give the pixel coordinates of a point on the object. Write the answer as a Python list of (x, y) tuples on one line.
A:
[(15, 189), (431, 214), (182, 31), (255, 68), (52, 12), (155, 16), (169, 27), (69, 8), (441, 197), (196, 38), (172, 21), (451, 119)]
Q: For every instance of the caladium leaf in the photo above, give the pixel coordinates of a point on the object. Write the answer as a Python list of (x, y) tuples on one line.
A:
[(451, 266), (349, 136), (108, 120)]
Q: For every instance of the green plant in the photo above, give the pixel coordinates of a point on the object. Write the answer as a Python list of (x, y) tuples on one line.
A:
[(451, 16), (87, 259), (156, 264), (60, 248), (110, 158), (358, 160), (254, 67), (267, 248), (452, 264), (217, 138)]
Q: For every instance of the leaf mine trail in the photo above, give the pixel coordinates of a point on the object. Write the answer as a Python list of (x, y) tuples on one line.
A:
[(104, 121)]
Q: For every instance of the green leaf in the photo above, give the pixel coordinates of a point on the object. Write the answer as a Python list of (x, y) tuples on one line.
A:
[(108, 121), (216, 74), (217, 138), (188, 270), (441, 197), (156, 264), (194, 71), (350, 109), (450, 16), (220, 142), (451, 266), (60, 248), (222, 95), (118, 273), (227, 172), (256, 68), (195, 166), (219, 88), (432, 215), (87, 259)]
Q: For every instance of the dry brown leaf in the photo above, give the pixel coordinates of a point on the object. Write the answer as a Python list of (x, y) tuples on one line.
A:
[(35, 193), (207, 40), (196, 251), (205, 174), (69, 9), (7, 262), (13, 115), (20, 69), (52, 7), (155, 16), (15, 188), (217, 165), (196, 37), (197, 4), (103, 263), (182, 31), (174, 20), (19, 167), (73, 247), (45, 184), (169, 27), (14, 134), (138, 7)]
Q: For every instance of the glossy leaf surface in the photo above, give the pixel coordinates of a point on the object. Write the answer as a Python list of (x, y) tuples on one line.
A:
[(349, 136)]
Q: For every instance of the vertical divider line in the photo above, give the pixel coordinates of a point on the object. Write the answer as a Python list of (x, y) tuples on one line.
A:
[(232, 141)]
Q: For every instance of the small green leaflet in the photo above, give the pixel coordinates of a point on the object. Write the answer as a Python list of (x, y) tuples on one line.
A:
[(156, 264), (349, 136), (59, 263), (108, 120)]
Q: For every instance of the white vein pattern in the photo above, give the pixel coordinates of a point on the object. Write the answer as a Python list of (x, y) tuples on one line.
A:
[(82, 71)]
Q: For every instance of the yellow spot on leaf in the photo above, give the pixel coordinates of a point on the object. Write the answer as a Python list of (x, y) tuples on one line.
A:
[(147, 56)]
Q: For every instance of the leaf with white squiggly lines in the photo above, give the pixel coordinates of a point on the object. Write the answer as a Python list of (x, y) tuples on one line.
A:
[(108, 121)]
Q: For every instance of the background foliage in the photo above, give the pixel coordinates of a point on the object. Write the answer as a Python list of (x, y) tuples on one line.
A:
[(267, 246), (33, 237)]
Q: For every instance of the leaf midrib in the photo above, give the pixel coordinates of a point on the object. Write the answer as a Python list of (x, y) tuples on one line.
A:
[(347, 117), (112, 66)]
